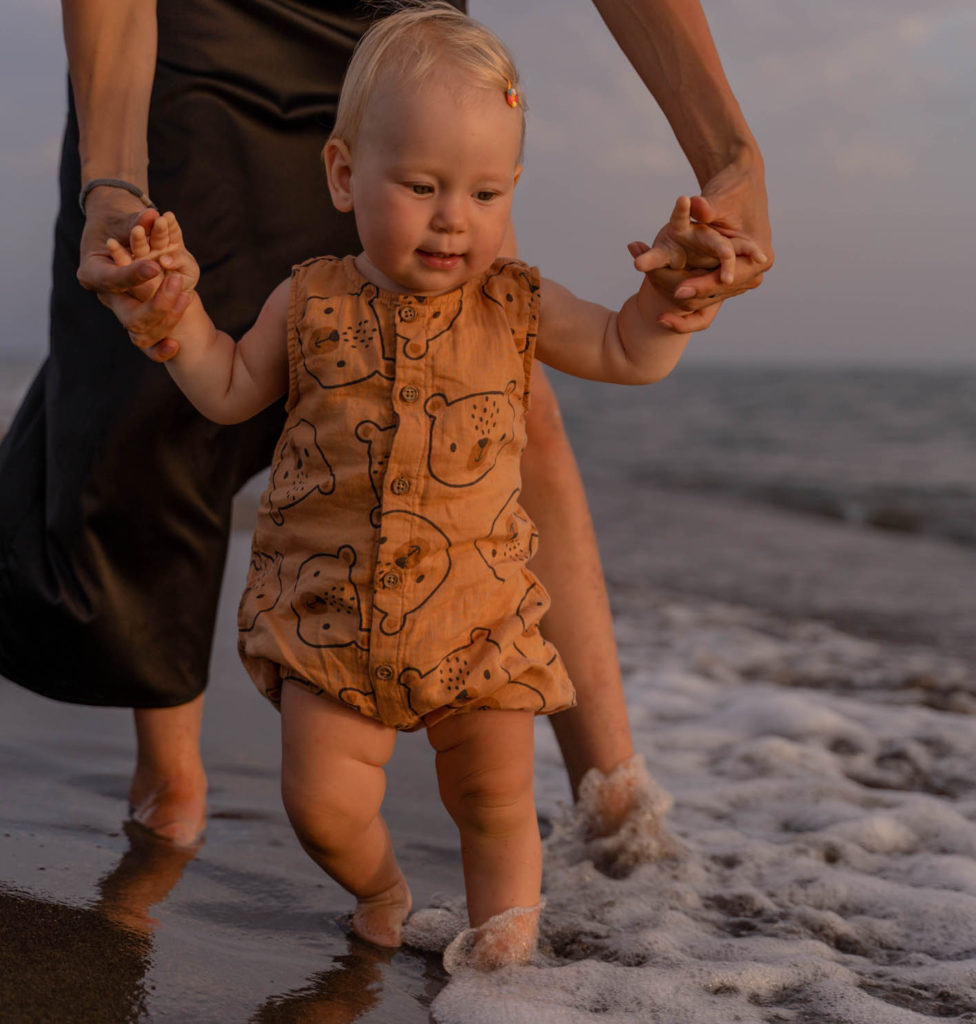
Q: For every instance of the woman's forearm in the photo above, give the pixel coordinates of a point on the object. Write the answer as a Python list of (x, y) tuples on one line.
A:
[(111, 47), (670, 46)]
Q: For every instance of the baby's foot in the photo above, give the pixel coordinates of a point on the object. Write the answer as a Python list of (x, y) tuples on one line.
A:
[(504, 940), (379, 919)]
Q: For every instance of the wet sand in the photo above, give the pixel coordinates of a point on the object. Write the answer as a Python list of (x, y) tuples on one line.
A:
[(99, 923)]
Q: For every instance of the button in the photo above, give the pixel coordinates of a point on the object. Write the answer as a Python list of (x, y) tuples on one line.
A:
[(408, 314), (391, 580), (384, 672), (400, 486), (409, 393)]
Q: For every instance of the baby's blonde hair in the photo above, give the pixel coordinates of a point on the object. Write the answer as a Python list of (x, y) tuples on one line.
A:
[(412, 43)]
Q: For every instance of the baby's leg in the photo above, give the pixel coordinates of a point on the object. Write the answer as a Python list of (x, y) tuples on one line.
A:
[(332, 782), (596, 733), (484, 769)]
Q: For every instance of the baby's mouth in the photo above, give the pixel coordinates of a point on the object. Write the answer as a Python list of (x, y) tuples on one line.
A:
[(439, 260)]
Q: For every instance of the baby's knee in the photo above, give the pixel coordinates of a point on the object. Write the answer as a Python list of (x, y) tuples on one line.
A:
[(492, 803), (324, 817)]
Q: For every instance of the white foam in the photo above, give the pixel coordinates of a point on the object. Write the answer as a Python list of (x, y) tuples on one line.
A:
[(824, 863)]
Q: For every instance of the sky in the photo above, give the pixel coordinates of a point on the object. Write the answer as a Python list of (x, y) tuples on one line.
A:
[(862, 109)]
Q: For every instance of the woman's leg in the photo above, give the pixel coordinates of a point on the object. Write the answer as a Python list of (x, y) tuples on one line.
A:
[(484, 771), (596, 733), (332, 782), (168, 794)]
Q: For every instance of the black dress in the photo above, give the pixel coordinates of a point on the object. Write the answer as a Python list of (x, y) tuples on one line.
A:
[(115, 493)]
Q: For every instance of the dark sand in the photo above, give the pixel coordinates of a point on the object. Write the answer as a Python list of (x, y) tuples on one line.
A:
[(101, 924)]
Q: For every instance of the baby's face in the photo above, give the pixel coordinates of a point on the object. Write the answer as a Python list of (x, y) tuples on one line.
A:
[(432, 177)]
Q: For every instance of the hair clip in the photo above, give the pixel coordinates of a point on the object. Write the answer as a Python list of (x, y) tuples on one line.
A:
[(511, 96)]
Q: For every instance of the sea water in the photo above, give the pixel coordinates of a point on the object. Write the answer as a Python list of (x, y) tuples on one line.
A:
[(814, 728), (791, 562)]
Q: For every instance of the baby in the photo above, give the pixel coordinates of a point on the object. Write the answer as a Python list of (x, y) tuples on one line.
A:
[(388, 587)]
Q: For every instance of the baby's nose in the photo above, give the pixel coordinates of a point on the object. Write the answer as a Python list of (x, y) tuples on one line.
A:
[(449, 216)]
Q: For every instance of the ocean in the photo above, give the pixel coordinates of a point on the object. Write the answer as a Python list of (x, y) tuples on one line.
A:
[(792, 565)]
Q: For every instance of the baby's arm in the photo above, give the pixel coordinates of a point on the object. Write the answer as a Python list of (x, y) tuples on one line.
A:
[(228, 382), (642, 342)]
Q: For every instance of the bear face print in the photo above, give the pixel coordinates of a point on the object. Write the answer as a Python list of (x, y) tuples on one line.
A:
[(466, 674), (326, 601), (467, 435), (263, 588), (533, 605), (415, 340), (379, 442), (336, 353), (512, 541), (300, 469), (508, 294), (413, 560)]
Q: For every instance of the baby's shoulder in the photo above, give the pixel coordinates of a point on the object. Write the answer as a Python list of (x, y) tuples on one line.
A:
[(511, 282), (327, 275), (316, 265)]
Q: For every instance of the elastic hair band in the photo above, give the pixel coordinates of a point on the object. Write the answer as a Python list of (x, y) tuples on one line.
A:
[(115, 183)]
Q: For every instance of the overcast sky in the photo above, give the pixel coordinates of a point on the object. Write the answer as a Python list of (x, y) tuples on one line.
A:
[(863, 109)]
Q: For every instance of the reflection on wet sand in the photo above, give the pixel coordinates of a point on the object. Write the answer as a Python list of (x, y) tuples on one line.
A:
[(93, 960), (351, 987)]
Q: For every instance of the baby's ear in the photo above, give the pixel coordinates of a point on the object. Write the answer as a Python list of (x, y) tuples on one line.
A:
[(338, 169)]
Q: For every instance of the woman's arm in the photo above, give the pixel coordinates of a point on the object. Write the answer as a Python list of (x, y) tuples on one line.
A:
[(669, 44), (111, 47)]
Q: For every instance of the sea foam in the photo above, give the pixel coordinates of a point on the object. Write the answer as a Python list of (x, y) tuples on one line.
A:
[(820, 865)]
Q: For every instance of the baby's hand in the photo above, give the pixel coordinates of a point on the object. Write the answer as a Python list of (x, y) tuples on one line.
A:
[(164, 244), (686, 244)]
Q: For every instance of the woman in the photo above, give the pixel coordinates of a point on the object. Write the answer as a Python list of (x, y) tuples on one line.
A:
[(115, 503)]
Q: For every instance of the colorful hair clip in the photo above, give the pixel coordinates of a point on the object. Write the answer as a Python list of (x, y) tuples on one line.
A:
[(511, 96)]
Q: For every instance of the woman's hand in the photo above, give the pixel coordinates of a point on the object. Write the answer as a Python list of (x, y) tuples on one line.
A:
[(733, 204), (147, 308)]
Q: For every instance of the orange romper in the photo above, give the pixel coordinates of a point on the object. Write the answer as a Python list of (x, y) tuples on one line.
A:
[(388, 567)]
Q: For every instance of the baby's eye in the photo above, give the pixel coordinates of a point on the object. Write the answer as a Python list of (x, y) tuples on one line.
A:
[(485, 195), (422, 190)]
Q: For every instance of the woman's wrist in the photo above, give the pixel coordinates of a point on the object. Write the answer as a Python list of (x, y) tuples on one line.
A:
[(739, 154), (121, 184)]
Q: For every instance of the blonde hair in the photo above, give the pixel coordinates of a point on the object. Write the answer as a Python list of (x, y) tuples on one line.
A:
[(412, 43)]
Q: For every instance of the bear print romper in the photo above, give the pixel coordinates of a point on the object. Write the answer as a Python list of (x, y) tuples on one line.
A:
[(388, 568)]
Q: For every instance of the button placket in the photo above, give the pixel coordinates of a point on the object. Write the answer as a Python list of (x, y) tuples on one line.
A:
[(410, 387)]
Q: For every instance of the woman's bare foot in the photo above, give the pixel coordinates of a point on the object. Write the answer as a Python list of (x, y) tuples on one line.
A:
[(606, 801), (168, 794), (379, 919), (172, 810)]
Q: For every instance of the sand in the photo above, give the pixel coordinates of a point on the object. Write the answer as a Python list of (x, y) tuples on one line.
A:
[(100, 923)]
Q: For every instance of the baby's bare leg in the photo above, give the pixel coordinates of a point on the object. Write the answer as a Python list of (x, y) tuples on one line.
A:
[(596, 733), (332, 782), (484, 770)]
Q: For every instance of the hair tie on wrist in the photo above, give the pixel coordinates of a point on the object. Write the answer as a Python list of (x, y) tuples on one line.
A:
[(115, 183)]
